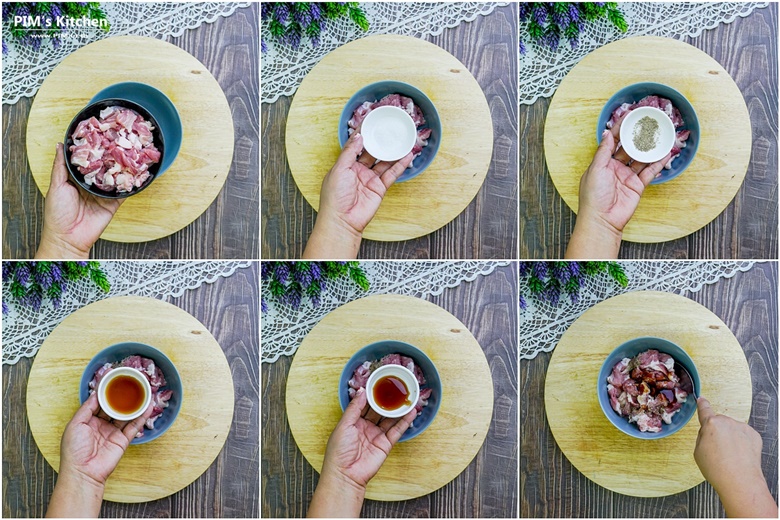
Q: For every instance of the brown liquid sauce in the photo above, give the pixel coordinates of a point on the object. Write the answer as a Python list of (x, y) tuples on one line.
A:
[(391, 393), (125, 394)]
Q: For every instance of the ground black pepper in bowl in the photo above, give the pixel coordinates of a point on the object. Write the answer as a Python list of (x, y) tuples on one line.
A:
[(646, 134)]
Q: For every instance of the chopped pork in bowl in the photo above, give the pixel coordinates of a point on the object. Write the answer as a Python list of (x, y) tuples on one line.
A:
[(642, 390), (362, 364), (164, 380), (407, 97), (114, 148), (667, 99)]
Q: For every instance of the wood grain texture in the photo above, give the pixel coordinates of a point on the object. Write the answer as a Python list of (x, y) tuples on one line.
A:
[(202, 164), (747, 49), (550, 485), (683, 205), (421, 205), (229, 228), (486, 488), (420, 465), (228, 308), (582, 431), (487, 228), (199, 431)]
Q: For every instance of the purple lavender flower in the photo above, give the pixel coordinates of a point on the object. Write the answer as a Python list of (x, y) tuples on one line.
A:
[(5, 307), (315, 41), (263, 306), (524, 9), (266, 268), (34, 300), (23, 11), (315, 301), (265, 10), (523, 268), (6, 10), (315, 11), (23, 273), (574, 42), (562, 274), (282, 12), (522, 48), (540, 15), (552, 295), (574, 297), (263, 46), (574, 12), (302, 275), (55, 10), (294, 39), (56, 272), (8, 270), (540, 270), (523, 303), (282, 271), (293, 296), (43, 278), (302, 15), (574, 268), (316, 271), (81, 263)]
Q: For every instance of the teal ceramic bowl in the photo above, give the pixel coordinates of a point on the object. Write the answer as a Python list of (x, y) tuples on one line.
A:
[(629, 349), (377, 350), (120, 351), (635, 92), (375, 92), (159, 106)]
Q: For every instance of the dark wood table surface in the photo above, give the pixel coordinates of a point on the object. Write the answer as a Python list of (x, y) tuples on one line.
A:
[(487, 228), (551, 487), (747, 49), (229, 228), (230, 486), (486, 488)]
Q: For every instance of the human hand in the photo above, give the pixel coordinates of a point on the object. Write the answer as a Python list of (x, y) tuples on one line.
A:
[(350, 197), (92, 446), (726, 450), (358, 447), (611, 186), (73, 219)]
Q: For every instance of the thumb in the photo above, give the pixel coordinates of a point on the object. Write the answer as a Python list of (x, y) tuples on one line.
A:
[(705, 410), (348, 156), (605, 150), (59, 173), (354, 409)]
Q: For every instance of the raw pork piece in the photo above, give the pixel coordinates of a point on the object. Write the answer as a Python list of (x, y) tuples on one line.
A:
[(114, 152), (156, 379), (363, 372), (670, 110), (646, 390), (394, 100)]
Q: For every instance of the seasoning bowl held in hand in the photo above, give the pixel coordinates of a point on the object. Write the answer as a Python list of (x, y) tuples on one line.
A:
[(124, 394), (635, 92), (120, 351), (392, 391), (389, 133), (647, 134), (629, 349), (378, 350), (375, 92)]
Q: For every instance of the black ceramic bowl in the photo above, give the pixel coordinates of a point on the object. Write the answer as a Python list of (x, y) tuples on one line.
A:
[(94, 110)]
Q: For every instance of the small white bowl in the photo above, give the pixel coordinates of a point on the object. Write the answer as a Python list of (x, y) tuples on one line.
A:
[(402, 373), (123, 371), (666, 134), (389, 133)]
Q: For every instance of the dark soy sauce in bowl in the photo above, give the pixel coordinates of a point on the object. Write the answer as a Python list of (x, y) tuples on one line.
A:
[(391, 393), (125, 394)]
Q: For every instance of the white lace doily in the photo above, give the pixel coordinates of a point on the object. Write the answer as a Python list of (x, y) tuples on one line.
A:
[(24, 329), (542, 70), (542, 325), (283, 68), (24, 69), (283, 328)]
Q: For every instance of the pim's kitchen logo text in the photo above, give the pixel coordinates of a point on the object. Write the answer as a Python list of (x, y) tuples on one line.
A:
[(49, 22)]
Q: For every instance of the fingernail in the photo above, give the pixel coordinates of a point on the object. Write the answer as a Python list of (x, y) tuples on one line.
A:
[(604, 134), (360, 390), (657, 175), (356, 135)]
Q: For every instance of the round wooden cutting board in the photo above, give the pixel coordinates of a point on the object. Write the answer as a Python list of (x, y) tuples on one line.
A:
[(421, 205), (190, 185), (683, 205), (173, 461), (604, 454), (421, 465)]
